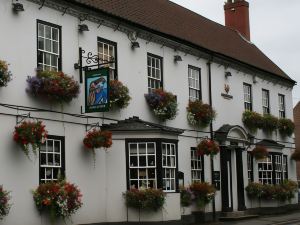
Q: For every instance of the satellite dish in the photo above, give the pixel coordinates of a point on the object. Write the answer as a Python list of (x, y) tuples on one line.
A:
[(132, 36)]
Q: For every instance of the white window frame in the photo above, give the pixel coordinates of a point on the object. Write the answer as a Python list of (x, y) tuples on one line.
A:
[(194, 76), (54, 61), (197, 167), (278, 168), (142, 182), (247, 96), (169, 166), (107, 52), (250, 167), (265, 173), (266, 101), (281, 105), (155, 73), (48, 153)]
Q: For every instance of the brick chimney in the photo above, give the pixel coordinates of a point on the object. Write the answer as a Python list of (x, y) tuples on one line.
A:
[(237, 16)]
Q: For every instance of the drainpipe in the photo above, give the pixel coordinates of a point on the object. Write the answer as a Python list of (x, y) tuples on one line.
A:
[(211, 135)]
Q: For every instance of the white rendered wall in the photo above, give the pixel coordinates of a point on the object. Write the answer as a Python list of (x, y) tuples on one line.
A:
[(103, 185)]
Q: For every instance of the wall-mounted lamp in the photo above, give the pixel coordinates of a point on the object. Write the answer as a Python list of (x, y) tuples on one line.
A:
[(228, 74), (135, 44), (17, 7), (83, 27), (254, 80), (177, 58), (132, 36)]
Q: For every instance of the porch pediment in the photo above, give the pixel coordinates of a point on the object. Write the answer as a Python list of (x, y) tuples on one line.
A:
[(232, 133)]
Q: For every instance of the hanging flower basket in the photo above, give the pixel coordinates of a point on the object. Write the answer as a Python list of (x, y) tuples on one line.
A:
[(296, 155), (286, 127), (118, 95), (163, 104), (200, 114), (252, 120), (208, 147), (270, 123), (30, 133), (5, 74), (260, 152), (4, 202), (97, 139), (203, 193), (54, 86), (60, 199), (145, 199)]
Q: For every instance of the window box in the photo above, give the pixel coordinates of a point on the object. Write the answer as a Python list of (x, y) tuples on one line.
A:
[(200, 114), (118, 95), (54, 86), (163, 104), (146, 199), (252, 120), (286, 127)]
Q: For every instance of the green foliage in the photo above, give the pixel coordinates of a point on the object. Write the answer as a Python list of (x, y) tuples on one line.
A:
[(260, 152), (286, 127), (4, 202), (270, 123), (280, 192), (185, 197), (118, 95), (203, 193), (252, 120), (145, 199), (5, 74)]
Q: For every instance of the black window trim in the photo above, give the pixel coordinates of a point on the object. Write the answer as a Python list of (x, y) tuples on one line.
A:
[(162, 68), (159, 168), (63, 159), (115, 44), (60, 41), (200, 83)]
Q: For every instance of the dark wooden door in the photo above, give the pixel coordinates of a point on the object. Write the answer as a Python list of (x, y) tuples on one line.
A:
[(226, 180), (240, 179)]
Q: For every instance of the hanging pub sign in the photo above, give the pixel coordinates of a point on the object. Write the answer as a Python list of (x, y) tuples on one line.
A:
[(97, 90)]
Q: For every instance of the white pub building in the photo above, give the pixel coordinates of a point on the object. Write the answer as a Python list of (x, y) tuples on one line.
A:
[(154, 44)]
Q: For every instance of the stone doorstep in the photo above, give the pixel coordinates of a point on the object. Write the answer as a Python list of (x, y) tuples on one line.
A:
[(236, 218)]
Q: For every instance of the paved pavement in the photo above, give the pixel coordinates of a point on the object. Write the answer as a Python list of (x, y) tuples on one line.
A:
[(282, 219)]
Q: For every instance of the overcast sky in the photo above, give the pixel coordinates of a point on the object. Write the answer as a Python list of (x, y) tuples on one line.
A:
[(274, 28)]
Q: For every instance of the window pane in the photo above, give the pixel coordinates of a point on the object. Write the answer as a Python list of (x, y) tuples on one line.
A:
[(41, 43), (48, 32), (41, 32), (48, 45), (55, 34)]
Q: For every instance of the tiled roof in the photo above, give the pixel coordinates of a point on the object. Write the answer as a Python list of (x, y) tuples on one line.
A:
[(170, 19), (136, 124)]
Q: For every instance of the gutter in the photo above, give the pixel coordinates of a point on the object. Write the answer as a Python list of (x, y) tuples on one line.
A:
[(211, 134)]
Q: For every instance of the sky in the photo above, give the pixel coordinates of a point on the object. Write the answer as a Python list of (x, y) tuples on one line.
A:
[(274, 29)]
